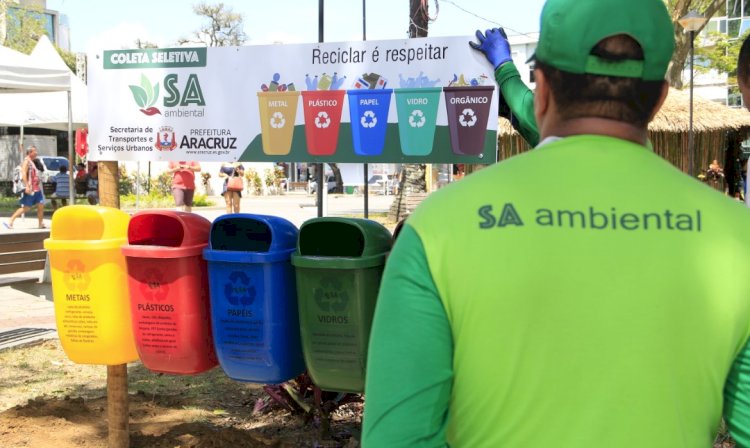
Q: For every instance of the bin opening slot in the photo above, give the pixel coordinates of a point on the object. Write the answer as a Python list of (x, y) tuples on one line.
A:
[(155, 230), (331, 239), (241, 234)]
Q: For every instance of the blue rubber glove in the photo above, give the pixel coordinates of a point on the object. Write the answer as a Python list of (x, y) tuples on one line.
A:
[(495, 46)]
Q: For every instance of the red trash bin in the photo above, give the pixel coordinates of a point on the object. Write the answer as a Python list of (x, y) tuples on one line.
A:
[(169, 298)]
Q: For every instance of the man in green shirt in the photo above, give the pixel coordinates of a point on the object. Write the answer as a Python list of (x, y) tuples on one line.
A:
[(596, 306)]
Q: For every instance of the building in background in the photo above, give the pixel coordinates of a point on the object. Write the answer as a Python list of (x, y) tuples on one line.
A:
[(56, 25)]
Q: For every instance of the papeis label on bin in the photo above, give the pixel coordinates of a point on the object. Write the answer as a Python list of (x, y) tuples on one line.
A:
[(238, 319)]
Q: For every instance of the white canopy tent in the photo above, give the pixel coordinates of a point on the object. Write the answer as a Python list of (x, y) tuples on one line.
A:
[(23, 77), (22, 73), (48, 110)]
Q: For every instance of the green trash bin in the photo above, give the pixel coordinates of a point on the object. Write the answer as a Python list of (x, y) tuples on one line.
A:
[(338, 266)]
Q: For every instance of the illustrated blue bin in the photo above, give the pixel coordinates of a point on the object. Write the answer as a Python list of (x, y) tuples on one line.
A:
[(368, 114), (253, 298)]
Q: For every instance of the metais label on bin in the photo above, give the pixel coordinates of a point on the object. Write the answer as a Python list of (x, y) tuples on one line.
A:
[(79, 321), (251, 93)]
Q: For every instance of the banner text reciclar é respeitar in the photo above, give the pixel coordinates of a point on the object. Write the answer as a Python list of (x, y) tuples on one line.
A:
[(353, 56)]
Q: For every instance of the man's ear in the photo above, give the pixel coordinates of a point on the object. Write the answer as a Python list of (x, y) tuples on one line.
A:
[(662, 98), (541, 97)]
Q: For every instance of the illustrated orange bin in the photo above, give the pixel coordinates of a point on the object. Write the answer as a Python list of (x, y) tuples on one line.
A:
[(169, 291), (278, 112), (89, 284)]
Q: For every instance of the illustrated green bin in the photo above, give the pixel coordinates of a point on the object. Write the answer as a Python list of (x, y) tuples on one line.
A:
[(338, 265)]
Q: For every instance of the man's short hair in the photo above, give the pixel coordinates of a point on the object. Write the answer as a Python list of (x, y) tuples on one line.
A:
[(63, 169), (632, 100), (30, 149), (743, 63)]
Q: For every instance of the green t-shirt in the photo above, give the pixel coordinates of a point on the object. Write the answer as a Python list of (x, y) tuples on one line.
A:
[(586, 293)]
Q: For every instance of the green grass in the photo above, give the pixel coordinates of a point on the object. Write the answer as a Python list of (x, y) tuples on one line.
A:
[(10, 204)]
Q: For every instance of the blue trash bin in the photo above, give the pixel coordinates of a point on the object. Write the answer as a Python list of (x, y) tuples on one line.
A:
[(368, 114), (253, 298)]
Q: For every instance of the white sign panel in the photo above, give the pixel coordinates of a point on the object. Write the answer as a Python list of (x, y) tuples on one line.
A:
[(409, 101)]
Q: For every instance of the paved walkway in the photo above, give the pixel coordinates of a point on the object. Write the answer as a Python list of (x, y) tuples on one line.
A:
[(27, 314)]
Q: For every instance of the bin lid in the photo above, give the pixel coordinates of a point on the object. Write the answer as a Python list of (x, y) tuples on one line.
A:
[(334, 237), (251, 238), (166, 234), (87, 227)]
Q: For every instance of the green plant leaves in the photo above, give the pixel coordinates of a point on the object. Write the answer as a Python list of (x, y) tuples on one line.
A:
[(139, 95), (146, 85), (146, 94)]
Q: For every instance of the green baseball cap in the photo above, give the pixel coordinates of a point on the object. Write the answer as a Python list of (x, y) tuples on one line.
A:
[(571, 28)]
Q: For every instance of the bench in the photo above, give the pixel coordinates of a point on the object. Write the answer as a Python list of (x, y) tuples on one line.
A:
[(22, 253), (296, 186)]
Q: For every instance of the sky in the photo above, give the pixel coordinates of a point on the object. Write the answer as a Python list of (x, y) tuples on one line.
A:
[(117, 24)]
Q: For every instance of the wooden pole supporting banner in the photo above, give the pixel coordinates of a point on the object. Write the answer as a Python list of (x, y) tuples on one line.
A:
[(117, 375), (117, 407)]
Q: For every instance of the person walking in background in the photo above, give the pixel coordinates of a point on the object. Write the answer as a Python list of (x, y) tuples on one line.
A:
[(62, 187), (588, 314), (92, 186), (32, 194), (234, 175), (183, 183)]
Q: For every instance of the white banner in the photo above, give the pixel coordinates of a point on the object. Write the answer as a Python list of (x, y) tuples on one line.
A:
[(410, 101)]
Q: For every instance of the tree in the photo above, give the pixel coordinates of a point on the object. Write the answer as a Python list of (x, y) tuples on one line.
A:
[(720, 52), (677, 9), (23, 26), (67, 57), (224, 27)]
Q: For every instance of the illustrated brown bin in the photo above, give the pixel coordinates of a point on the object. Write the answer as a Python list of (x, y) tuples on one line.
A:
[(468, 110)]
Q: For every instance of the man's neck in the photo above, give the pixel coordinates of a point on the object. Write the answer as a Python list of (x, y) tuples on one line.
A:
[(597, 126)]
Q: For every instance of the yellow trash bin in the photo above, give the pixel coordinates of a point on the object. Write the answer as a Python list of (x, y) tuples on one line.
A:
[(278, 111), (90, 284)]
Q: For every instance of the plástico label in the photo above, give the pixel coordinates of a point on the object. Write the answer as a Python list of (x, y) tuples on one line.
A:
[(156, 318)]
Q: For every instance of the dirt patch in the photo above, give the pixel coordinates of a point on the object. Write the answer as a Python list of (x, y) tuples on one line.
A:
[(49, 401)]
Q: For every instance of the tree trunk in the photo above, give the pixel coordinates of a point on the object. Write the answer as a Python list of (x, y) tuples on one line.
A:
[(677, 9), (339, 188)]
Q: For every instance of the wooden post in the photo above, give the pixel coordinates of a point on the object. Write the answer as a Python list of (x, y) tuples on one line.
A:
[(117, 376)]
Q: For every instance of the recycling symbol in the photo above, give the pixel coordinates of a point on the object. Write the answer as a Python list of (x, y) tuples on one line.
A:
[(238, 290), (153, 287), (416, 119), (76, 278), (368, 120), (322, 120), (277, 120), (330, 297), (467, 118)]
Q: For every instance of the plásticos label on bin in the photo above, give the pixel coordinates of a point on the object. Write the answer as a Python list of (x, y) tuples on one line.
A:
[(154, 316)]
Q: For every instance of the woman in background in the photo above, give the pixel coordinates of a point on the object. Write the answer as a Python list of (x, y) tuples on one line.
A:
[(232, 193)]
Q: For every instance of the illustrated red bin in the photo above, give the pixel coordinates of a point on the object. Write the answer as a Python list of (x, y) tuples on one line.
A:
[(322, 120), (169, 299)]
